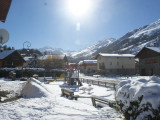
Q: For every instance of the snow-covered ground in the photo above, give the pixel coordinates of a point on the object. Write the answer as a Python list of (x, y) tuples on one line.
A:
[(44, 101)]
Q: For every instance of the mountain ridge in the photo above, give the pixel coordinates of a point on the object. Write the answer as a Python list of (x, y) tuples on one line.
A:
[(132, 42)]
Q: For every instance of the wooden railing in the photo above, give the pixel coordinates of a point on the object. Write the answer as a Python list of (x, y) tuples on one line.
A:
[(99, 82)]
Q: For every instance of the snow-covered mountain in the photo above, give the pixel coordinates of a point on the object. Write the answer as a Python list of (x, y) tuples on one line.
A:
[(87, 52), (134, 41), (52, 50), (92, 49)]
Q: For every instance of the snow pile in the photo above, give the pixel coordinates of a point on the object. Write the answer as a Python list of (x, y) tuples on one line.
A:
[(34, 89), (139, 98)]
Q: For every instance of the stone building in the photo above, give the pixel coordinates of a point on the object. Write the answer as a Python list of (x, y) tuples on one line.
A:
[(116, 64)]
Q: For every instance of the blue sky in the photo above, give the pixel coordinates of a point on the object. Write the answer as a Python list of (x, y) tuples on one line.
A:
[(51, 23)]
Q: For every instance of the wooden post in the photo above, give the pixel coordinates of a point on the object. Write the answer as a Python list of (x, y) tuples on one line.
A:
[(93, 101)]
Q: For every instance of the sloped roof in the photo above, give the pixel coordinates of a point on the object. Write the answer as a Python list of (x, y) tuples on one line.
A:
[(90, 61), (116, 55), (80, 63), (151, 52), (4, 8), (156, 49), (6, 53)]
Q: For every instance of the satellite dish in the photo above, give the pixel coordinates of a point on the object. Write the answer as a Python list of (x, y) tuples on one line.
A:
[(4, 36)]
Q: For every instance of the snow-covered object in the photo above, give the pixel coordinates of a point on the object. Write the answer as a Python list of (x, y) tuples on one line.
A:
[(140, 98), (34, 89), (116, 55), (89, 88), (90, 61)]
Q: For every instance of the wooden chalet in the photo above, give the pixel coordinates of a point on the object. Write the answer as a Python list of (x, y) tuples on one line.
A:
[(149, 61), (11, 59)]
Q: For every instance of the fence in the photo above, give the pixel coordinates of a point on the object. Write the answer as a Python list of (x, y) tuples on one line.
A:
[(99, 82)]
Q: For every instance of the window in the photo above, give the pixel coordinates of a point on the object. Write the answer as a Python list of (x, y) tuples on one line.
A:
[(155, 60), (99, 65), (146, 61), (151, 61)]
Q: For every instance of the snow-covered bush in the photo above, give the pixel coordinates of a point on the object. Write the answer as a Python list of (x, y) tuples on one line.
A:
[(139, 99)]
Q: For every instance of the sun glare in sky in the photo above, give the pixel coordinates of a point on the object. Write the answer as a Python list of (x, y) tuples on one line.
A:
[(79, 8)]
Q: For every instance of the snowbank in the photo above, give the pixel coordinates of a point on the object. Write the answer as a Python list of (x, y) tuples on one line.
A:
[(139, 98), (33, 89)]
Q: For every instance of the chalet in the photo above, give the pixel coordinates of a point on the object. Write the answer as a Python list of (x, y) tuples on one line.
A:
[(88, 66), (11, 59), (149, 61), (115, 64)]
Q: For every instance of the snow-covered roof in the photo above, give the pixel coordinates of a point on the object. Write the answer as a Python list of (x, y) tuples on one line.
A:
[(27, 58), (71, 63), (156, 49), (116, 55), (5, 53), (80, 63), (90, 61)]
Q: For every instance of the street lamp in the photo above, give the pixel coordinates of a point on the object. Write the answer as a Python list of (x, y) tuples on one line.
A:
[(28, 44)]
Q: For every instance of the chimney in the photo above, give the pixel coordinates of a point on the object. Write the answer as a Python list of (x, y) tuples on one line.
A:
[(1, 49)]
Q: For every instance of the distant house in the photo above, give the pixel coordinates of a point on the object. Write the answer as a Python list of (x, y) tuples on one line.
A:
[(88, 66), (11, 59), (149, 61), (115, 64), (71, 66)]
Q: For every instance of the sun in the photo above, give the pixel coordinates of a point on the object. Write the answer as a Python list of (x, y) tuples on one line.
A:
[(79, 8)]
